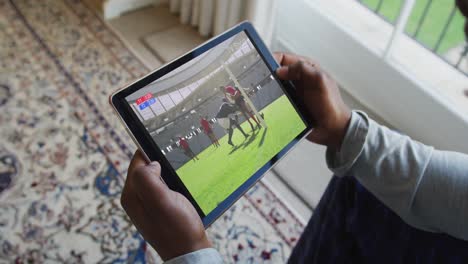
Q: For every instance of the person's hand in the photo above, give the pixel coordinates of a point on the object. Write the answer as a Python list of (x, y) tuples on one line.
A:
[(166, 219), (321, 98)]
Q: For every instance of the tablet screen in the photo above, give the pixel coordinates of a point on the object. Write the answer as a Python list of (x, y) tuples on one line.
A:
[(218, 118)]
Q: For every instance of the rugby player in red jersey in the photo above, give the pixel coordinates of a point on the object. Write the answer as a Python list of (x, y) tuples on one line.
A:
[(235, 95), (205, 124), (187, 150)]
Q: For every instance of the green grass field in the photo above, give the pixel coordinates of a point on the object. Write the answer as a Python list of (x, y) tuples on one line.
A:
[(433, 25), (220, 171)]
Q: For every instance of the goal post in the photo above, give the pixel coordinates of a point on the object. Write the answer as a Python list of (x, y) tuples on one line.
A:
[(246, 97)]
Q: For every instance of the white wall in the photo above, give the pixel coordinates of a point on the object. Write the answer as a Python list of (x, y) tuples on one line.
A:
[(392, 93), (262, 14)]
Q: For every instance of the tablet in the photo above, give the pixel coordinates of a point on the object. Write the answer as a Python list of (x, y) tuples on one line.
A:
[(216, 118)]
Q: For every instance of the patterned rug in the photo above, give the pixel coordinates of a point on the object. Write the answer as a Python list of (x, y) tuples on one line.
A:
[(63, 153)]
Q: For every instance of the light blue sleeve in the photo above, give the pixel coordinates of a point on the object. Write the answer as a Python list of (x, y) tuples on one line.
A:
[(427, 188), (202, 256)]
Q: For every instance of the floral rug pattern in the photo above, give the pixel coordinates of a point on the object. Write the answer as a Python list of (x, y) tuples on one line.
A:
[(64, 154)]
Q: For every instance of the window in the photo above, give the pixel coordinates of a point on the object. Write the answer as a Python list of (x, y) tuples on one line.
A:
[(437, 25)]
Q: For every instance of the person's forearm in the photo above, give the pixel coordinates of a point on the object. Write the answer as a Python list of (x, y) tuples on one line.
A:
[(427, 188)]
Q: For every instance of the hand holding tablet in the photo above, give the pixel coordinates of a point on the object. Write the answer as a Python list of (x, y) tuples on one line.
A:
[(165, 218), (320, 96)]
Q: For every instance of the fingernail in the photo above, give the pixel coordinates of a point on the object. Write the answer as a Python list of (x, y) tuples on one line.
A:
[(154, 163)]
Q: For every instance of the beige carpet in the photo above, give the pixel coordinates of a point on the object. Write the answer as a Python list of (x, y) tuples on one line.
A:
[(64, 154)]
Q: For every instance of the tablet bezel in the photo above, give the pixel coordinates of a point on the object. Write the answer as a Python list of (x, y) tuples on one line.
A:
[(145, 142)]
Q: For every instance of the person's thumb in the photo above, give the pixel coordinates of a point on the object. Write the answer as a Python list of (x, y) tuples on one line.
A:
[(148, 184)]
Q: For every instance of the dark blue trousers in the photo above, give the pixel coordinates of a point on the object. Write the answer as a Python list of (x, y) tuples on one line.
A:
[(351, 226)]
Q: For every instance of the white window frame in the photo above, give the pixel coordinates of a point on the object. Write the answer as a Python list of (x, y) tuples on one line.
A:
[(375, 80)]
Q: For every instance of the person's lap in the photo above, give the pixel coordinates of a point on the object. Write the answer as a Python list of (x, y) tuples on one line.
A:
[(351, 226)]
